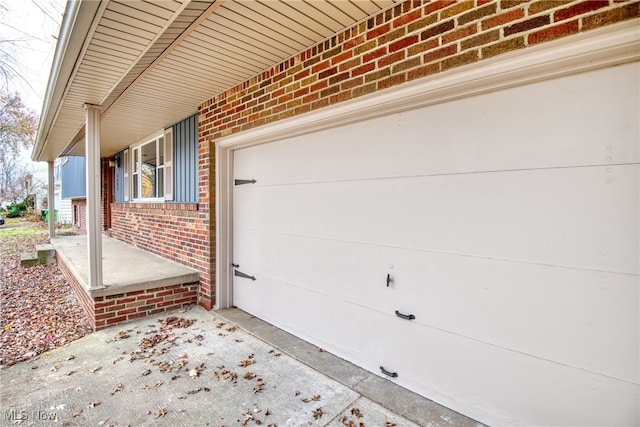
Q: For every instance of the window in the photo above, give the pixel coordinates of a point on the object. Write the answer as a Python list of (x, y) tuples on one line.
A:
[(151, 170)]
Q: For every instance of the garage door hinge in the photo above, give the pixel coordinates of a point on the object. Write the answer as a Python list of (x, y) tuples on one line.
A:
[(243, 275), (244, 181)]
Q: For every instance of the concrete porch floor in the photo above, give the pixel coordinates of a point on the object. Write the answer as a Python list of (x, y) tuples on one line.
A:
[(125, 268)]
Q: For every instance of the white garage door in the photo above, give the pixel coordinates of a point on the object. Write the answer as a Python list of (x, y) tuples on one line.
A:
[(508, 226)]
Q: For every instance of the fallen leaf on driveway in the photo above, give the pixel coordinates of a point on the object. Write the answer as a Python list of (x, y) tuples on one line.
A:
[(193, 373), (161, 413), (116, 389), (317, 413)]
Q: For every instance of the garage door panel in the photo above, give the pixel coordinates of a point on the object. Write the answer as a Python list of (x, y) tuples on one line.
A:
[(601, 130), (550, 310), (469, 214), (537, 390), (320, 157), (469, 296), (543, 213), (509, 225), (447, 362), (341, 211), (345, 270), (512, 129), (295, 309)]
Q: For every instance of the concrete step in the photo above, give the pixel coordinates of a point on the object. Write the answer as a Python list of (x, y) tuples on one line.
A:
[(29, 259), (44, 255)]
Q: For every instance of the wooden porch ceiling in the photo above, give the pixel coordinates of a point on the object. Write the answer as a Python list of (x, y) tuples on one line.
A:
[(149, 64)]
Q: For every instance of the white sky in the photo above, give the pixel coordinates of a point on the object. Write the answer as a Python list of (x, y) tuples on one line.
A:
[(33, 25)]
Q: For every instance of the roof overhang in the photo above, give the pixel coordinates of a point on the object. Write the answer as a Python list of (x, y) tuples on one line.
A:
[(149, 65)]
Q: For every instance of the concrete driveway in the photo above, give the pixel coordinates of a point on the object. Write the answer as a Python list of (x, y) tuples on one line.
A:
[(199, 368)]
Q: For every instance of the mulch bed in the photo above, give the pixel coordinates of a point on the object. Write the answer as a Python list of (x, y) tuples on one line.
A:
[(38, 309)]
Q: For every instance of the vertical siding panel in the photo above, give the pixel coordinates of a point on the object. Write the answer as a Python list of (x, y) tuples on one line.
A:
[(119, 196), (185, 158), (73, 177)]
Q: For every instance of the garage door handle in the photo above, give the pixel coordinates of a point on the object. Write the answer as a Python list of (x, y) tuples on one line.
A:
[(405, 316), (243, 275), (388, 373)]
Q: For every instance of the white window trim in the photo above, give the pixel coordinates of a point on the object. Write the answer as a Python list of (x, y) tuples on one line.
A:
[(126, 165), (138, 147), (166, 168)]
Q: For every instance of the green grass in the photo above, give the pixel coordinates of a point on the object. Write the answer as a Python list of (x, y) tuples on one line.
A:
[(18, 235)]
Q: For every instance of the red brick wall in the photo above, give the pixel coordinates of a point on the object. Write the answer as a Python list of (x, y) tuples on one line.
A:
[(113, 309), (410, 41), (83, 297), (105, 311), (79, 215), (181, 232)]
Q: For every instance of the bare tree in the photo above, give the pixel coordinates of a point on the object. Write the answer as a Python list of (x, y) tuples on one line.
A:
[(17, 131), (18, 42)]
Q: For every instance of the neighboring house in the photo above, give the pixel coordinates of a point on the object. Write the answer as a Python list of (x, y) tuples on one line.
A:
[(62, 205), (443, 191), (74, 191)]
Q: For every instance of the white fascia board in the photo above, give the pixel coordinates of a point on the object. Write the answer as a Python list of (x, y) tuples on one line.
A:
[(76, 25)]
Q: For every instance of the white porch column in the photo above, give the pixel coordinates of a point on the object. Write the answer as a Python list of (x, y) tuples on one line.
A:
[(51, 206), (94, 227)]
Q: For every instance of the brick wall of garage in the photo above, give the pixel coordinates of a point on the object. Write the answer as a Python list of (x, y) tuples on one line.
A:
[(415, 39), (180, 232)]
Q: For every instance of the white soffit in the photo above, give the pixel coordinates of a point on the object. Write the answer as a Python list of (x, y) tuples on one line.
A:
[(118, 40), (237, 40)]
